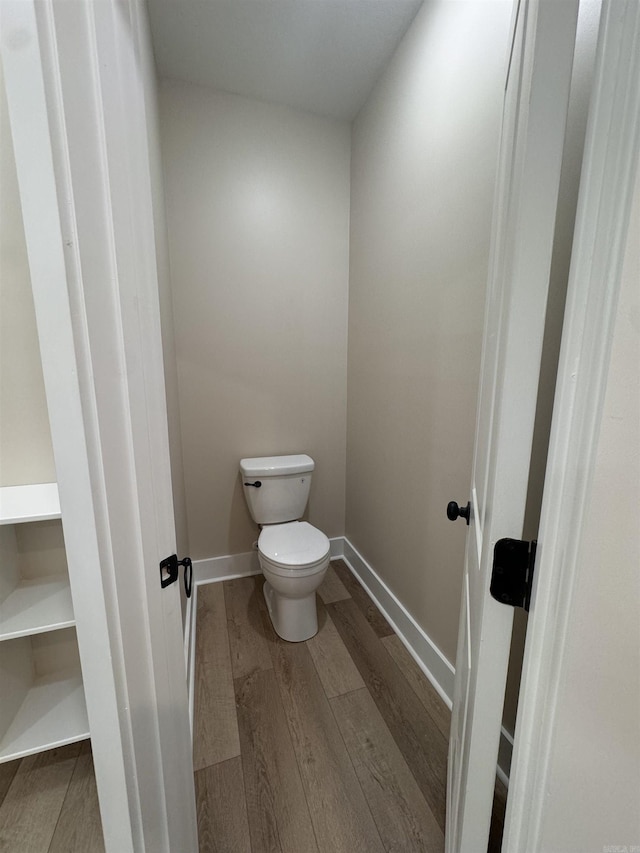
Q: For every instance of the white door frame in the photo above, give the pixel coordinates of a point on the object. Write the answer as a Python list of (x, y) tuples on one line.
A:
[(95, 291), (611, 155), (72, 418), (525, 211)]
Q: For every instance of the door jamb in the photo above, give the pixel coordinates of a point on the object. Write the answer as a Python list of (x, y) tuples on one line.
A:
[(606, 190), (56, 282), (94, 454)]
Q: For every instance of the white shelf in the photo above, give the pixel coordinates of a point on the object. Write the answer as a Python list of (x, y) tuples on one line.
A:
[(52, 714), (36, 606), (20, 504), (42, 704)]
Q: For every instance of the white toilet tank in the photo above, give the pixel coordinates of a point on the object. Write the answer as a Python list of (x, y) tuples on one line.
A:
[(276, 487)]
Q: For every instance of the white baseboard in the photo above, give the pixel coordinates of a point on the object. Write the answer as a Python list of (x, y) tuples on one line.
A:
[(420, 646), (226, 568), (190, 650)]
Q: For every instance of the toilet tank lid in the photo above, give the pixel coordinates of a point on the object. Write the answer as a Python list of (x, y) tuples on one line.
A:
[(265, 466)]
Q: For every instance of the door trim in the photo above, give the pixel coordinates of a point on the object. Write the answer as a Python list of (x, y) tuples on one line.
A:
[(606, 190), (35, 110), (88, 277)]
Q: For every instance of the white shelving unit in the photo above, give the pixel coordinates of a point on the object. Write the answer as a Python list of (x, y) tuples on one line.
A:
[(43, 704), (36, 606), (52, 714), (20, 504)]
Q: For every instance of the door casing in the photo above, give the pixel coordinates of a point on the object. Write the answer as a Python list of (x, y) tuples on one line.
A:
[(77, 111)]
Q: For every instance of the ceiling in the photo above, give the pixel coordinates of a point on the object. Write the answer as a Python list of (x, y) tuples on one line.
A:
[(318, 55)]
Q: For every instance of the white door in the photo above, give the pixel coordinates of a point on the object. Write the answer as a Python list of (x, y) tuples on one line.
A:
[(574, 817), (75, 86), (535, 109)]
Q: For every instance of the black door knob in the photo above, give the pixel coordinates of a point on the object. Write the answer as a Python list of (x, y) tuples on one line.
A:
[(454, 511)]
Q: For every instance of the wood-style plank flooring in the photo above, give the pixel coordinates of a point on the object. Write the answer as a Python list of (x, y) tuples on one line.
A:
[(49, 803), (335, 745)]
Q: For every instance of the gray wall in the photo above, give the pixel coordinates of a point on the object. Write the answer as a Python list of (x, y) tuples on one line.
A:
[(166, 306), (423, 165), (258, 209), (26, 454)]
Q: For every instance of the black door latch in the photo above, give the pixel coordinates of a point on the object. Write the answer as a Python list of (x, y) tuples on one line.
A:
[(170, 569), (512, 572)]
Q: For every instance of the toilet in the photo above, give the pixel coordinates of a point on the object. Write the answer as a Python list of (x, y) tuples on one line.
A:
[(294, 555)]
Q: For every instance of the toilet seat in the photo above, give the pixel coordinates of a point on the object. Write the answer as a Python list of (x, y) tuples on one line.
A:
[(295, 548)]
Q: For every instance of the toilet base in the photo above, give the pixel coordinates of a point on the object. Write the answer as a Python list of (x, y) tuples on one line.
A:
[(293, 619)]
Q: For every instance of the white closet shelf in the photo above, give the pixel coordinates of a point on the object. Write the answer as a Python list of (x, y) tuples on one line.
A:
[(36, 606), (52, 714), (19, 504)]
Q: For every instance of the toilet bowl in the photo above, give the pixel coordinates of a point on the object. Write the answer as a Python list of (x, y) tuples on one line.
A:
[(294, 558), (293, 555)]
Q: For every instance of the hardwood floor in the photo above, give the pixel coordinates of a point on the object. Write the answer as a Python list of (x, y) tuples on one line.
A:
[(342, 741), (420, 741), (215, 724), (49, 803), (336, 745)]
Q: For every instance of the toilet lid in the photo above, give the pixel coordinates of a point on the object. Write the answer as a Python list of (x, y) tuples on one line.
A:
[(296, 543)]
